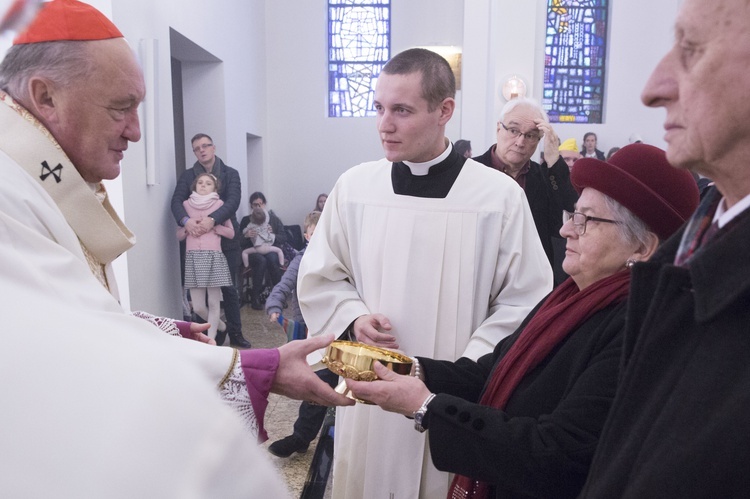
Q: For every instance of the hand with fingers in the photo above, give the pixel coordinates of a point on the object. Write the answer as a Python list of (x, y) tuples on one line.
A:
[(402, 394), (372, 330), (197, 332), (551, 142), (296, 379)]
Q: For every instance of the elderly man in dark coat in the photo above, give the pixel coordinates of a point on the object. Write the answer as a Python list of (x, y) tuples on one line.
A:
[(679, 424)]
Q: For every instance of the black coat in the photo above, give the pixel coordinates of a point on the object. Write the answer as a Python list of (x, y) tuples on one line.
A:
[(680, 424), (542, 444), (549, 192), (230, 191)]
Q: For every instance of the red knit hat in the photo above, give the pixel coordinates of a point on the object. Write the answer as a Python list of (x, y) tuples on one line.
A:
[(639, 177), (62, 20)]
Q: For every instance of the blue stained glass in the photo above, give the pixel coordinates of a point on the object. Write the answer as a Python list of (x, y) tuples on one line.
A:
[(359, 38), (575, 61)]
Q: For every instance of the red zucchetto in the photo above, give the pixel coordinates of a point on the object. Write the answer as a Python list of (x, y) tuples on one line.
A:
[(61, 20)]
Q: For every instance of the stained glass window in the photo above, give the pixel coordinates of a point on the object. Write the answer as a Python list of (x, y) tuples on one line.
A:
[(575, 59), (359, 41)]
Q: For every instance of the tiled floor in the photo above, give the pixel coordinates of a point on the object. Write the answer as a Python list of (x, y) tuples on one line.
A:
[(281, 412)]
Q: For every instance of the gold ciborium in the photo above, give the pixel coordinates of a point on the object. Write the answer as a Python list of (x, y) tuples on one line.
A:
[(355, 360)]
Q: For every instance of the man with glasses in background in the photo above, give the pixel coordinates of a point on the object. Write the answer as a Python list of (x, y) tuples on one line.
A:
[(230, 191), (522, 125)]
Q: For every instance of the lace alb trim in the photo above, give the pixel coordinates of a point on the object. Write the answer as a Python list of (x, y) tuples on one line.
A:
[(233, 391), (166, 324), (232, 388)]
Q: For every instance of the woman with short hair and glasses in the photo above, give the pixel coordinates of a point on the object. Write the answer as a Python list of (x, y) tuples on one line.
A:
[(524, 421)]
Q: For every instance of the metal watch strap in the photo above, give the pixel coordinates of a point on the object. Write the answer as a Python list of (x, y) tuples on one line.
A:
[(421, 413)]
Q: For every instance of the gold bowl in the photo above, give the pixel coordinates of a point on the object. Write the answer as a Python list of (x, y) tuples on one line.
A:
[(355, 361)]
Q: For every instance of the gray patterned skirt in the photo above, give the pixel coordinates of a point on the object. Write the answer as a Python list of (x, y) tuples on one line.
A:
[(206, 269)]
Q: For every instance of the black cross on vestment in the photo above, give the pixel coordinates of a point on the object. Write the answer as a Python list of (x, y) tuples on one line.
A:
[(56, 172)]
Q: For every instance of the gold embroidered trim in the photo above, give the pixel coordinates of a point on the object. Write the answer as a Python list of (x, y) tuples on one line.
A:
[(96, 267), (235, 355)]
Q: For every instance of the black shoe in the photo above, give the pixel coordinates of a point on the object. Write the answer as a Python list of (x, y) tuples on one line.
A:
[(256, 304), (288, 446), (238, 341), (221, 336)]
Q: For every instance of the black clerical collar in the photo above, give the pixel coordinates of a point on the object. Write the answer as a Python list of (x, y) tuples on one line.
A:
[(436, 184)]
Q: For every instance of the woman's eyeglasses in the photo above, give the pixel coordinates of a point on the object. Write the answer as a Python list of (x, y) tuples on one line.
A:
[(580, 220)]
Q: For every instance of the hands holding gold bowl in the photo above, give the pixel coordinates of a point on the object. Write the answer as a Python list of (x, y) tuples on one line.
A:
[(355, 361)]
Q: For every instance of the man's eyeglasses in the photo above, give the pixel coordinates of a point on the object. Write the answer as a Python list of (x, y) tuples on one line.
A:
[(202, 147), (515, 133), (580, 219)]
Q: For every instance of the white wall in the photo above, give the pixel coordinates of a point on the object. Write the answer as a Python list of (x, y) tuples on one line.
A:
[(233, 32)]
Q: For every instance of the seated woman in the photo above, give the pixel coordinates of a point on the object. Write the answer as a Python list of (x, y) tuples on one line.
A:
[(524, 421), (262, 264), (264, 237)]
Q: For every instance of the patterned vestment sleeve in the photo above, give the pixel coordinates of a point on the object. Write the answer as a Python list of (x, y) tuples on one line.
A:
[(233, 388)]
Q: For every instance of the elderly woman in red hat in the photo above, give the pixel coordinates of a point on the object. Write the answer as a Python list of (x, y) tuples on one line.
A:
[(524, 421)]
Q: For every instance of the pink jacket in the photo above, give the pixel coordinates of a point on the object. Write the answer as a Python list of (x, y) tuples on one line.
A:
[(211, 240)]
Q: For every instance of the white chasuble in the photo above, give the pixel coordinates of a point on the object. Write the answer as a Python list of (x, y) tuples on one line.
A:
[(46, 230)]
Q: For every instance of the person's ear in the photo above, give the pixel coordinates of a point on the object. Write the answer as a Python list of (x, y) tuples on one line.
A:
[(446, 110), (645, 251), (42, 94)]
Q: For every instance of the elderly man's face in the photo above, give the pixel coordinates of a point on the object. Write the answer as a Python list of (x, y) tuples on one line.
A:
[(516, 151), (97, 117), (700, 82)]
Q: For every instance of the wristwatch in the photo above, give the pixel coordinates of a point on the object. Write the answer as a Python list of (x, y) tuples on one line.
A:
[(421, 413)]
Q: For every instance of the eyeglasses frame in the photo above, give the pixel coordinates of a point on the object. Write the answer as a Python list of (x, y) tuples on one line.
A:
[(202, 147), (531, 137), (581, 228)]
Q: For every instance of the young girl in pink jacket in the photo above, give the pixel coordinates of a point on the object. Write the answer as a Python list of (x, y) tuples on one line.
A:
[(206, 269)]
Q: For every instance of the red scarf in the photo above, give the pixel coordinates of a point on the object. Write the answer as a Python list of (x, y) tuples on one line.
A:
[(565, 309)]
